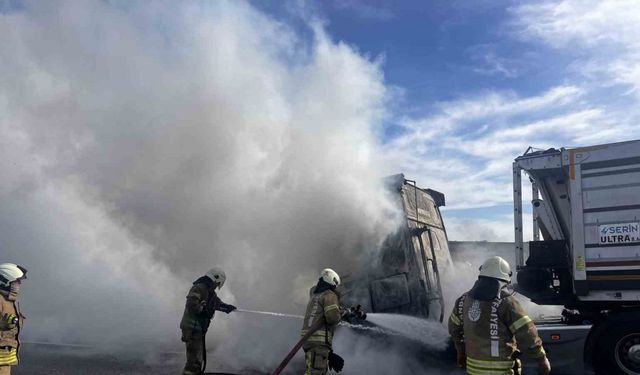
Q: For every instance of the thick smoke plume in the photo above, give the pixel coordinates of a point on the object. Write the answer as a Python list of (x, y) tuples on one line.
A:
[(141, 143)]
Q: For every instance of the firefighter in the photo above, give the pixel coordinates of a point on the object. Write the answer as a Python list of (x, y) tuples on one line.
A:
[(490, 329), (324, 305), (202, 303), (11, 320)]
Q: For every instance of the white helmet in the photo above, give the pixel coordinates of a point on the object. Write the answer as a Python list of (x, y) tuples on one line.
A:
[(217, 275), (497, 268), (330, 276), (9, 273)]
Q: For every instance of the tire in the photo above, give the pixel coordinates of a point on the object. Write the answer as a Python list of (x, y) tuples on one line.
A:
[(617, 350)]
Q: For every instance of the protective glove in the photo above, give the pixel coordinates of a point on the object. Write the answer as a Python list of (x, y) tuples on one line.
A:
[(359, 313), (9, 319), (226, 308), (461, 359), (336, 363), (353, 314), (545, 365)]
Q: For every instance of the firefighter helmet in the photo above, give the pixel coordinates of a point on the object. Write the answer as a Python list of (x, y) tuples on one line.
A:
[(9, 273), (330, 276), (217, 275), (497, 268)]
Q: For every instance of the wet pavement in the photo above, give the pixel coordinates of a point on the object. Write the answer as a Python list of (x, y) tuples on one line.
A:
[(58, 360), (55, 360), (39, 359)]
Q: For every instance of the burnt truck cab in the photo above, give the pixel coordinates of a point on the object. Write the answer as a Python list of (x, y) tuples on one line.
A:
[(403, 275)]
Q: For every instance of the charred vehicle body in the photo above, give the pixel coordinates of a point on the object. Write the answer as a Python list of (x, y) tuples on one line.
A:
[(403, 277)]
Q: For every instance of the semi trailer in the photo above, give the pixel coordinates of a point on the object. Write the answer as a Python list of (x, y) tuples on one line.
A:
[(585, 253)]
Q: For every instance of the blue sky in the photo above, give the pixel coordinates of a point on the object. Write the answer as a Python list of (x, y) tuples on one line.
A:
[(479, 81), (438, 50)]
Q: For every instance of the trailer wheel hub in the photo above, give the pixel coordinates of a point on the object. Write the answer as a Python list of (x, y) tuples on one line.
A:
[(634, 353), (627, 353)]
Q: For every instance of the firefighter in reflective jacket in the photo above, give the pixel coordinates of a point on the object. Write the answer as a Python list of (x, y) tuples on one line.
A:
[(490, 329), (323, 304), (202, 303), (11, 320)]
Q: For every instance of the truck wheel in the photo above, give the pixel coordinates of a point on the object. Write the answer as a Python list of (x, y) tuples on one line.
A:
[(618, 349)]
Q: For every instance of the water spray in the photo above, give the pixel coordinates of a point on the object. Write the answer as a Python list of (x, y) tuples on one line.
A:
[(300, 317), (390, 324), (269, 313)]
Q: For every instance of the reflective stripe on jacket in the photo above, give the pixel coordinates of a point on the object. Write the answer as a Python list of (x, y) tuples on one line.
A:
[(489, 333), (9, 333), (325, 306), (8, 357), (480, 367)]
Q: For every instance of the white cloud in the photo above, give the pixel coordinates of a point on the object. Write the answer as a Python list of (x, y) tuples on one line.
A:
[(466, 148), (587, 22), (603, 35), (462, 229), (494, 65), (489, 105), (365, 10), (491, 63), (494, 229)]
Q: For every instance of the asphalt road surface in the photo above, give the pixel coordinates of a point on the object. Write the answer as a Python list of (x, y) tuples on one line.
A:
[(54, 360), (38, 359)]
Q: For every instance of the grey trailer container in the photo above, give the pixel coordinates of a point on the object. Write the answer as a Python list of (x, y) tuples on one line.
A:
[(585, 253), (403, 276), (586, 205)]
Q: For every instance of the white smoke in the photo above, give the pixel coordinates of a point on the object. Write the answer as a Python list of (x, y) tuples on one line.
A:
[(468, 257), (142, 143)]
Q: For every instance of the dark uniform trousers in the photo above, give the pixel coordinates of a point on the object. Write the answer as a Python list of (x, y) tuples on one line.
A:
[(193, 341)]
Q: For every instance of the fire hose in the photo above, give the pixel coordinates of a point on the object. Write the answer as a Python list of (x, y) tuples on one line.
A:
[(314, 327), (356, 312)]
